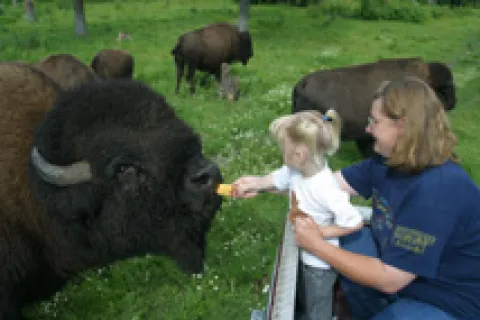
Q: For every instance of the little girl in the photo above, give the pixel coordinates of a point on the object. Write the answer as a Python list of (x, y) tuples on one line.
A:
[(305, 138)]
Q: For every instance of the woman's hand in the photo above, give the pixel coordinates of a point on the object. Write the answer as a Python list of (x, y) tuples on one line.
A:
[(307, 233)]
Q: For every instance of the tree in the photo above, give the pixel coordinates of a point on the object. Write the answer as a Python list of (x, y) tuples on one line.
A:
[(80, 22), (29, 10), (243, 16), (14, 3)]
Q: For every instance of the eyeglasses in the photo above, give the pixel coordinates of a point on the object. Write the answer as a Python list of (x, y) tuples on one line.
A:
[(371, 121)]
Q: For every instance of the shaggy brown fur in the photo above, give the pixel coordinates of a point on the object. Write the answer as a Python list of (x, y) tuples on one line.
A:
[(150, 188), (349, 90), (66, 70), (205, 49), (26, 95), (113, 63)]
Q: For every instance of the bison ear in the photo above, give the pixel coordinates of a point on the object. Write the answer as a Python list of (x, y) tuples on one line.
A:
[(125, 170)]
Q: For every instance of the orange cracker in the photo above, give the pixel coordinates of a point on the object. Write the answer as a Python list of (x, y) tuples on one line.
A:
[(225, 189)]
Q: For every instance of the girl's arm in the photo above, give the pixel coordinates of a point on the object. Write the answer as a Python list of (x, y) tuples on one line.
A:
[(334, 231), (343, 184), (250, 186)]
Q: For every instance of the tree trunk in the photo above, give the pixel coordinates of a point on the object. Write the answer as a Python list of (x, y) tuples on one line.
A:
[(29, 10), (243, 16), (14, 3), (80, 22), (434, 2)]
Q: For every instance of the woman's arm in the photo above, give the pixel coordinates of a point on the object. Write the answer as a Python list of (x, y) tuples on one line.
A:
[(364, 270)]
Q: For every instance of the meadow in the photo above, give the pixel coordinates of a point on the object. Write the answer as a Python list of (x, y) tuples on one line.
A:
[(288, 43)]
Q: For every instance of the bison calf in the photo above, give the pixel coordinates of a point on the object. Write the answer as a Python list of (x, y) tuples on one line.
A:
[(109, 172), (207, 48), (113, 63), (349, 90)]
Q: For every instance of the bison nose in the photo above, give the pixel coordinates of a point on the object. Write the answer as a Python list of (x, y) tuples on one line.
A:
[(208, 176)]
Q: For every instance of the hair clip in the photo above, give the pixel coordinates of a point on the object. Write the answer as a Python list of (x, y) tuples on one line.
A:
[(326, 118)]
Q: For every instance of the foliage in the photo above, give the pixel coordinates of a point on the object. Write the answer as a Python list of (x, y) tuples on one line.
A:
[(288, 43), (391, 10)]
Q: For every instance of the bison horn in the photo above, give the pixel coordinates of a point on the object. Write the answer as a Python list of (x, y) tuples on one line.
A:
[(60, 175)]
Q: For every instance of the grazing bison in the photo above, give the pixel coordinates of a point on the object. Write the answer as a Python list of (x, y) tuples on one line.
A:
[(66, 70), (350, 90), (109, 172), (113, 63), (205, 49)]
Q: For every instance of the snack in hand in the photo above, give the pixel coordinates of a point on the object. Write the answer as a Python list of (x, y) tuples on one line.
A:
[(225, 189)]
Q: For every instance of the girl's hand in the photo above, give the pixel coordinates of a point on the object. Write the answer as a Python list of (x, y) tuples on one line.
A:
[(307, 233), (246, 187)]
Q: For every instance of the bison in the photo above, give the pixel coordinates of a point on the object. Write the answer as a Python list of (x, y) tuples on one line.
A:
[(109, 172), (113, 63), (66, 70), (350, 90), (205, 49)]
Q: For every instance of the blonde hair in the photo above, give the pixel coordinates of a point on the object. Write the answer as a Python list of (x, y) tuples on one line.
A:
[(427, 140), (320, 133)]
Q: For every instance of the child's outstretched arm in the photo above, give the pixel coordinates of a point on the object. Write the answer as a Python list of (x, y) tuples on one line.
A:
[(250, 186)]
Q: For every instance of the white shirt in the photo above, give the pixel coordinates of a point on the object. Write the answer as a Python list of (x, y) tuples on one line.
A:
[(320, 197)]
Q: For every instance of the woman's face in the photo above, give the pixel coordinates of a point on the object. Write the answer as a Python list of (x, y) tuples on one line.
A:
[(384, 130)]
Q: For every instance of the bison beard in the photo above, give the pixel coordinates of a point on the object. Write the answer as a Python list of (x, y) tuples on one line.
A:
[(349, 90), (205, 49), (143, 185)]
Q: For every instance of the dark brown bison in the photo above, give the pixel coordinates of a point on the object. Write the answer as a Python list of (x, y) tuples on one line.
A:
[(109, 172), (66, 70), (205, 49), (113, 63), (349, 90)]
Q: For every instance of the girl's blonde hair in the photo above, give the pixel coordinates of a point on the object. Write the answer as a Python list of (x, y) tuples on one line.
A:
[(320, 133), (427, 140)]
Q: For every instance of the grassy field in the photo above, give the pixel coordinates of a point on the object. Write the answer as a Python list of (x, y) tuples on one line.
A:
[(288, 43)]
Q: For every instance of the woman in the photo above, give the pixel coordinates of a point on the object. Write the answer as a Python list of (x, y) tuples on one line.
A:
[(420, 256)]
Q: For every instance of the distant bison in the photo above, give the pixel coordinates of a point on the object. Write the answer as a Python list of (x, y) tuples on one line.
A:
[(113, 64), (110, 172), (205, 49), (66, 70), (350, 90)]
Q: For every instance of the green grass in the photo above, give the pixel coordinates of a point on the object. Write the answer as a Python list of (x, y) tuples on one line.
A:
[(288, 42)]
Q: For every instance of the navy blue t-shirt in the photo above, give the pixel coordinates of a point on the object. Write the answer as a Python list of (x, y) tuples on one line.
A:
[(427, 224)]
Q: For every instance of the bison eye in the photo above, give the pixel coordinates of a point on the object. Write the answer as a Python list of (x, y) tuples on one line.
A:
[(202, 178)]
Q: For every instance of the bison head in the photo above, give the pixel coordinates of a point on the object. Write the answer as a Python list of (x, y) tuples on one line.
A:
[(245, 48), (120, 175), (441, 80)]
